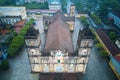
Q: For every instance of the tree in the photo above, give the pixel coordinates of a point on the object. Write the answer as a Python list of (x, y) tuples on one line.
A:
[(12, 51), (15, 33), (99, 46), (23, 32), (17, 42), (103, 53), (5, 65), (112, 35), (7, 2), (84, 21), (96, 19)]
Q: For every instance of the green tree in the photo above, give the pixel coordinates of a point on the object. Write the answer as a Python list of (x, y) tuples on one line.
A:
[(5, 65), (103, 53), (23, 32), (112, 35), (84, 21), (15, 33), (99, 46), (96, 19), (12, 51)]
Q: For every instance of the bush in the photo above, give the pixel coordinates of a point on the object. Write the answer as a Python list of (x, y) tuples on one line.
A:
[(84, 21), (103, 53), (5, 65), (12, 51), (99, 46)]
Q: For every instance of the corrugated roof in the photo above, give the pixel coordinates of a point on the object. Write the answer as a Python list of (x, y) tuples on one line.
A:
[(108, 43), (58, 37)]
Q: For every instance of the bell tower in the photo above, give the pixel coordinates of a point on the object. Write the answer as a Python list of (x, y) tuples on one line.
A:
[(72, 10)]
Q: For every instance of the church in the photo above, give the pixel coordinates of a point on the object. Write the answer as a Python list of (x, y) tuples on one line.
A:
[(58, 57)]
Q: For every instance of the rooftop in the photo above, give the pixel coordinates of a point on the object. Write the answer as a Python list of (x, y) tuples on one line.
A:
[(31, 33), (54, 1), (86, 34), (117, 13), (59, 15), (58, 36), (10, 8), (117, 58), (18, 26), (108, 43)]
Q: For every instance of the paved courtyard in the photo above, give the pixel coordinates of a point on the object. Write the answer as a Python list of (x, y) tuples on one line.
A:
[(19, 69)]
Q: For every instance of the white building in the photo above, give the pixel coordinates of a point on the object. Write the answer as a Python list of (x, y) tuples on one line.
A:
[(54, 5), (118, 43), (12, 15), (13, 11), (116, 17)]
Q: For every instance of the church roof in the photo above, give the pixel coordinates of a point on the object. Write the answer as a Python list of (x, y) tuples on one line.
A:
[(58, 36)]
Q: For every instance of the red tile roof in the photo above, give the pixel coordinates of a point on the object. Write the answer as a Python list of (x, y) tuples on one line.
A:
[(19, 25), (108, 43), (117, 58)]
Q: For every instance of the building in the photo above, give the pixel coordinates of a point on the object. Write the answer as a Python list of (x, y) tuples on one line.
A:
[(10, 20), (115, 65), (33, 12), (18, 26), (72, 10), (108, 45), (117, 42), (55, 5), (115, 16), (11, 15), (58, 57), (113, 51), (69, 20), (38, 1)]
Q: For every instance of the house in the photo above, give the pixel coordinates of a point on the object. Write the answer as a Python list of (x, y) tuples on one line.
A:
[(55, 5), (12, 15), (10, 20), (116, 17), (108, 45), (113, 51), (115, 65)]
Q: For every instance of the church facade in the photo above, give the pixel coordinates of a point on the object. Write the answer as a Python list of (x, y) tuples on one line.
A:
[(58, 55)]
